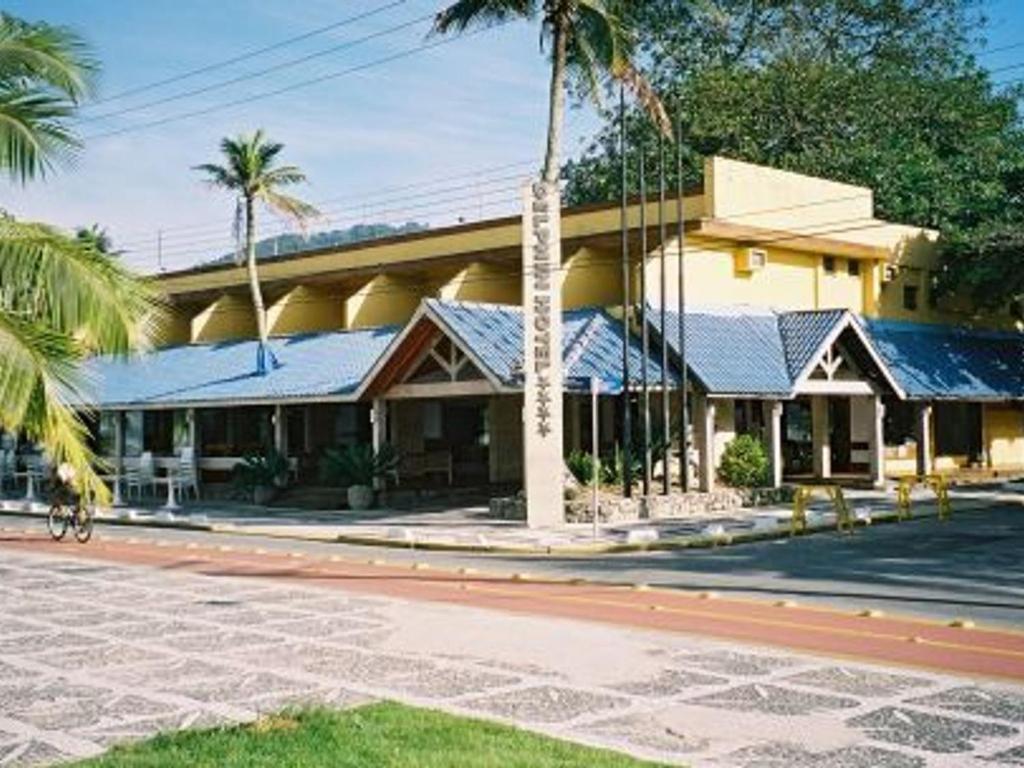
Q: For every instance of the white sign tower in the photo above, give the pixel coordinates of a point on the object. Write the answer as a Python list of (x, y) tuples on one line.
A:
[(543, 465)]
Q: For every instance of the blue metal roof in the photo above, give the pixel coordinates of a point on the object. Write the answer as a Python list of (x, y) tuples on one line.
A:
[(731, 350), (738, 350), (310, 365), (591, 344), (941, 361)]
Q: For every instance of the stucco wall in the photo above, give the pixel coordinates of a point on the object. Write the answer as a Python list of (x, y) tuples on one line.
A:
[(505, 417), (1004, 435)]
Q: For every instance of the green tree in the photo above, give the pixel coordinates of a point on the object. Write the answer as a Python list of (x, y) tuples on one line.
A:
[(884, 94), (590, 41), (251, 172), (61, 299)]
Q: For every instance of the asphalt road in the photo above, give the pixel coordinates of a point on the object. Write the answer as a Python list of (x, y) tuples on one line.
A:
[(970, 567)]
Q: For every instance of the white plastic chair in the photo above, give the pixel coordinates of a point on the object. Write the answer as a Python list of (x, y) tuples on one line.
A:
[(186, 479), (141, 475)]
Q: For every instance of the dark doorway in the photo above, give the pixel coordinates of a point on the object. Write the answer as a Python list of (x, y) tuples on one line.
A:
[(796, 437), (839, 434)]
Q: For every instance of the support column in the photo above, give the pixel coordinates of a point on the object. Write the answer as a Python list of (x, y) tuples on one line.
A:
[(280, 432), (705, 424), (190, 422), (773, 424), (118, 455), (925, 460), (821, 437), (379, 422), (876, 442)]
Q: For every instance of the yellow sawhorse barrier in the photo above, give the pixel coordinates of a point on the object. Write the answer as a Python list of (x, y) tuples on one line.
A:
[(798, 523), (938, 483)]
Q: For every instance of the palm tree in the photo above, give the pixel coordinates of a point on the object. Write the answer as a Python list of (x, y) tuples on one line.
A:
[(97, 237), (589, 41), (61, 299), (251, 173)]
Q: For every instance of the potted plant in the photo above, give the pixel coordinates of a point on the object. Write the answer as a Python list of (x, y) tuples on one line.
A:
[(260, 476), (359, 468)]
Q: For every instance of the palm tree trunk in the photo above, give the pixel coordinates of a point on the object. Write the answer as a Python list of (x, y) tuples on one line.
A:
[(250, 265), (556, 108)]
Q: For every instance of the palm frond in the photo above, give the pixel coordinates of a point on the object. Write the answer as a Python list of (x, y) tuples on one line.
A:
[(646, 96), (466, 14), (33, 133), (283, 176), (75, 289), (217, 175), (39, 381), (289, 207), (50, 56)]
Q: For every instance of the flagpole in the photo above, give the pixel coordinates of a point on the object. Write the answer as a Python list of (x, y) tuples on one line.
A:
[(645, 334), (684, 419), (666, 414), (627, 305)]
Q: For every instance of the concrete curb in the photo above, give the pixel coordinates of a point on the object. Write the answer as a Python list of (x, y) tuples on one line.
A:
[(696, 542)]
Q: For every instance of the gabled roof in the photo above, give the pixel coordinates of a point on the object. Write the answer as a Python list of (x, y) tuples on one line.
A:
[(945, 362), (311, 366), (743, 350), (803, 335), (591, 344)]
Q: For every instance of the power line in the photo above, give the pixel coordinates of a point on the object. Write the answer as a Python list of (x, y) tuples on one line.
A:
[(403, 54), (249, 55), (259, 73), (366, 208), (423, 208)]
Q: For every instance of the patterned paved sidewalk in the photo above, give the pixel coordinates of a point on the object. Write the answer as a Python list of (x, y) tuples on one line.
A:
[(94, 653)]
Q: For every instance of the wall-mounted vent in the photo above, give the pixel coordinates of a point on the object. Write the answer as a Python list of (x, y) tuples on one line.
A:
[(751, 259)]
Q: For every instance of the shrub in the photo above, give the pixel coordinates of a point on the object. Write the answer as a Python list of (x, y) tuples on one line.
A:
[(267, 469), (357, 465), (581, 464), (744, 463)]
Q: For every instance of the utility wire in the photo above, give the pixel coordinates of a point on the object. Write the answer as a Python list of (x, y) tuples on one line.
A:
[(246, 56), (403, 54), (259, 73)]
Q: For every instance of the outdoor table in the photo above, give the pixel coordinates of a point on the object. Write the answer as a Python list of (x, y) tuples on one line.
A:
[(172, 502), (115, 481), (31, 475)]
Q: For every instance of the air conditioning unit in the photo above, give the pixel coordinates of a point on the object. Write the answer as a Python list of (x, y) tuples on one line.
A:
[(751, 259), (890, 273)]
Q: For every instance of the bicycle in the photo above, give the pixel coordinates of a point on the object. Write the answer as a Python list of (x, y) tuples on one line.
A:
[(67, 510)]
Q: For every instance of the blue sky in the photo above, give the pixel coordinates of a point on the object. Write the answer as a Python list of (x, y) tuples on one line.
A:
[(478, 103)]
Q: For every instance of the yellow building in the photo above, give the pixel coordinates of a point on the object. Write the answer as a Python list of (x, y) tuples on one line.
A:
[(809, 322)]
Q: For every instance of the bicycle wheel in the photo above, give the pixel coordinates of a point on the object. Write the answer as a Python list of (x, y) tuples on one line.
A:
[(83, 526), (57, 521)]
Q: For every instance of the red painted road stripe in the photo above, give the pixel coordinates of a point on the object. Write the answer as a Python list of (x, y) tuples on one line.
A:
[(893, 640)]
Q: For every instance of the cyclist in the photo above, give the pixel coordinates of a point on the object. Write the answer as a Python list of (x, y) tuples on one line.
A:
[(67, 507)]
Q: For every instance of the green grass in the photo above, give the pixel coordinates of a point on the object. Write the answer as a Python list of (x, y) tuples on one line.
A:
[(385, 734)]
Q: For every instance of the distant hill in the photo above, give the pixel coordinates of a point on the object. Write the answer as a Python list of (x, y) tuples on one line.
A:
[(283, 245)]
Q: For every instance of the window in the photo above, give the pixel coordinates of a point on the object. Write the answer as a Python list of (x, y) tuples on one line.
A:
[(853, 268), (910, 293), (829, 262)]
